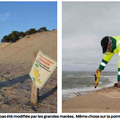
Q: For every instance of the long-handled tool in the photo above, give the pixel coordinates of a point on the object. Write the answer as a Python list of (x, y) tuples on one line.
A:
[(97, 77)]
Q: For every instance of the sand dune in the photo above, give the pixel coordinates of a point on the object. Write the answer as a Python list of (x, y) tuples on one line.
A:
[(4, 45), (16, 60), (22, 50)]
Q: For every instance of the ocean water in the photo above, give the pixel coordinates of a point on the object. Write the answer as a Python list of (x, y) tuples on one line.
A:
[(83, 82)]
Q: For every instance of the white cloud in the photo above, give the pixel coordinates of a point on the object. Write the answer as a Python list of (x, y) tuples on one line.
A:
[(4, 16), (84, 24)]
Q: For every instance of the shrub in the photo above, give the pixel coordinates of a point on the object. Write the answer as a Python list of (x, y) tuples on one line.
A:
[(15, 35)]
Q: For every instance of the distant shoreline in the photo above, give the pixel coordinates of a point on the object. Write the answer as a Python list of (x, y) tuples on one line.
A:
[(86, 71)]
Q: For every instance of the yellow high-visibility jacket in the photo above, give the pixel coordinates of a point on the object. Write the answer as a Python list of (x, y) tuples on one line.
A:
[(115, 50)]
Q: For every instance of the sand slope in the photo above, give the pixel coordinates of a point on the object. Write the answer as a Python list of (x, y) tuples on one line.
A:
[(106, 100), (22, 50), (16, 60)]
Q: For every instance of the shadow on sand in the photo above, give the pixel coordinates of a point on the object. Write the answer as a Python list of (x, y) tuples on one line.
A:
[(44, 96), (14, 81), (22, 79)]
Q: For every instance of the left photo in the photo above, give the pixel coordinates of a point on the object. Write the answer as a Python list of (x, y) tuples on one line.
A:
[(28, 57)]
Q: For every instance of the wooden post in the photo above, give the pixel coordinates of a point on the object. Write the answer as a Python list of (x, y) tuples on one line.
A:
[(34, 89)]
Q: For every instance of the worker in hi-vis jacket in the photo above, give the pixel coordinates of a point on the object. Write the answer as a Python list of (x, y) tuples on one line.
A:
[(110, 46)]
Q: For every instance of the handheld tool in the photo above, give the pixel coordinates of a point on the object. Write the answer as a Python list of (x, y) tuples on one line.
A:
[(97, 77)]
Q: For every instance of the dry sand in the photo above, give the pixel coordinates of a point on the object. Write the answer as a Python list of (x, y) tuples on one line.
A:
[(106, 100), (16, 60)]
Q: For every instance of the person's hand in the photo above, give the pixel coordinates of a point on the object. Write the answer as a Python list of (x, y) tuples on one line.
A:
[(117, 84), (98, 70)]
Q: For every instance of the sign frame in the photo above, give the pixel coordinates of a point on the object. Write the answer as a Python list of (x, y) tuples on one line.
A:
[(51, 72)]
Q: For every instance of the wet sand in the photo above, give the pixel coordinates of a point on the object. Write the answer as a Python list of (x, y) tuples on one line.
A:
[(106, 100)]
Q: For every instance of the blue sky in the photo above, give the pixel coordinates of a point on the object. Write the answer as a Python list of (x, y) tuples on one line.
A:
[(21, 16)]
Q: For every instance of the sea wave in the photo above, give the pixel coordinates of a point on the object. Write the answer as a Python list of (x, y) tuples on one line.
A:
[(84, 83), (70, 93)]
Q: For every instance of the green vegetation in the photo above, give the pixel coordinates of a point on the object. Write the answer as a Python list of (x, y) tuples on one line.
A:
[(15, 35)]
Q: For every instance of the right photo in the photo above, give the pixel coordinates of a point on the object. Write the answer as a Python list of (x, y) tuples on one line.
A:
[(90, 57)]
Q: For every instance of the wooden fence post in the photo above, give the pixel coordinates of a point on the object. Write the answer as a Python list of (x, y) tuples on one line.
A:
[(34, 89)]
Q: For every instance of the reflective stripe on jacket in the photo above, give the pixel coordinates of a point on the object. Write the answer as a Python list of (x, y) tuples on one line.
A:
[(115, 50)]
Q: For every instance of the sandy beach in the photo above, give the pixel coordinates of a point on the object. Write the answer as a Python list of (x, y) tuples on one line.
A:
[(16, 60), (105, 100)]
